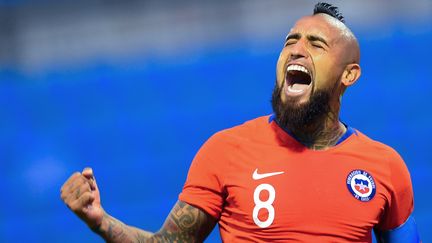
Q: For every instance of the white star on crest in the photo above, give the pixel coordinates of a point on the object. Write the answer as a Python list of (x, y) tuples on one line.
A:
[(362, 187)]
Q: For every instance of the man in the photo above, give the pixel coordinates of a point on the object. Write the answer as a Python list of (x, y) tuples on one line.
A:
[(299, 175)]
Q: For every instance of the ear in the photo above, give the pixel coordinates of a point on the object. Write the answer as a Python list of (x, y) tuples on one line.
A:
[(351, 74)]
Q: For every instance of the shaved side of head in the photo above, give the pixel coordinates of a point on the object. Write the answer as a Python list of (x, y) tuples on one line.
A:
[(346, 38)]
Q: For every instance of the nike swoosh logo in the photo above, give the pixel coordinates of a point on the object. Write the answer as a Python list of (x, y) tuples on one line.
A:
[(257, 176)]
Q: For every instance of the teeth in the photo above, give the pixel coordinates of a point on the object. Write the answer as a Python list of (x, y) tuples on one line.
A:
[(294, 90), (295, 67)]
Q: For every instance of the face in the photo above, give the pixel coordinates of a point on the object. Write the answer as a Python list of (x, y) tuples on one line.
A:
[(311, 59), (309, 69)]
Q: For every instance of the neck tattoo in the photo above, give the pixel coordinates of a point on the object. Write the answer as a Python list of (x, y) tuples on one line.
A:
[(320, 138)]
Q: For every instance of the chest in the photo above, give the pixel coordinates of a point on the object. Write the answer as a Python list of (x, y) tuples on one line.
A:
[(276, 190)]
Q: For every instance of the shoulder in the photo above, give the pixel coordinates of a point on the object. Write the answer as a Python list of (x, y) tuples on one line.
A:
[(249, 130), (231, 139), (373, 146), (391, 172), (390, 160)]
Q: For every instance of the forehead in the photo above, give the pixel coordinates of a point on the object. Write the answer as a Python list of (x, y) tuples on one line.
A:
[(318, 24)]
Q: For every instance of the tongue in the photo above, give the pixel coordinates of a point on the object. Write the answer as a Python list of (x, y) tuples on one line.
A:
[(299, 87)]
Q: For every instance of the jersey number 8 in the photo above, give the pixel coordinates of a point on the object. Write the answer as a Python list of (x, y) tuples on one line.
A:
[(267, 205)]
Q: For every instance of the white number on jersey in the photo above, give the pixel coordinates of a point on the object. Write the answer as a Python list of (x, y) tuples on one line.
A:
[(264, 205)]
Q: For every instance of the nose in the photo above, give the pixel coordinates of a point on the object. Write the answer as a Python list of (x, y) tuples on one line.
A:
[(297, 50)]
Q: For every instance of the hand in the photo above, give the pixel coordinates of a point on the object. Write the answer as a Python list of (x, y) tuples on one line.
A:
[(81, 194)]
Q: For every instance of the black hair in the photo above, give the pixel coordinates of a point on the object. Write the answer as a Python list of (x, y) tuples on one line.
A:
[(327, 8)]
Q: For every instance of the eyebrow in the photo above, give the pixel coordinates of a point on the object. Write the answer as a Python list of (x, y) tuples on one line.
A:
[(297, 36)]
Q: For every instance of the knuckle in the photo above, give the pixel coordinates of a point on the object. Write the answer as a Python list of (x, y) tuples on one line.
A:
[(84, 188), (85, 196), (77, 180), (82, 180), (73, 177)]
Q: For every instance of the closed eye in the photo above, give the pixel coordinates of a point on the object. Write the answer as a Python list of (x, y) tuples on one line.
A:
[(288, 43), (317, 41), (292, 39), (317, 45)]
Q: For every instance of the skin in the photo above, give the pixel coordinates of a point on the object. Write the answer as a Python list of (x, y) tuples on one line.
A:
[(331, 52), (334, 64), (185, 223)]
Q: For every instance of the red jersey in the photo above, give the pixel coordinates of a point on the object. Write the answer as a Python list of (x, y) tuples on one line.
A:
[(264, 186)]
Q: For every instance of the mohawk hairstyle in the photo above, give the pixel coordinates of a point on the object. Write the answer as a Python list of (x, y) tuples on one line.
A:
[(327, 8)]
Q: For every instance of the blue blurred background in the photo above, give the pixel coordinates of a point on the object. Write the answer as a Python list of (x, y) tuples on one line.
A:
[(133, 88)]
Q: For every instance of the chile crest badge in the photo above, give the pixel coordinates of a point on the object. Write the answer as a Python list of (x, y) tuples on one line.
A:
[(361, 185)]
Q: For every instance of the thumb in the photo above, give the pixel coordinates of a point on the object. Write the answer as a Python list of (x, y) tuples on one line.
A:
[(88, 174)]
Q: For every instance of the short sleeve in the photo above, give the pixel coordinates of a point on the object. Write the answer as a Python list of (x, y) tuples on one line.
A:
[(401, 202), (204, 187)]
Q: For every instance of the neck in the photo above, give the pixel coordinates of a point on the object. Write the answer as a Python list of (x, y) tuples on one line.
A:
[(322, 134)]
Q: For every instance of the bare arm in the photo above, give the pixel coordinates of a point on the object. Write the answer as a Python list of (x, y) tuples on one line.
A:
[(185, 223)]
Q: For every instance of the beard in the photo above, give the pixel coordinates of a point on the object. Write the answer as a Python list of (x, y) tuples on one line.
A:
[(293, 115)]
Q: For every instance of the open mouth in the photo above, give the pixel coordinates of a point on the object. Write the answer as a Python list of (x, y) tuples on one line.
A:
[(297, 78)]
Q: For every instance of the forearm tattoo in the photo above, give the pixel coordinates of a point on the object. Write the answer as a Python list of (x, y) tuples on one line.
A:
[(113, 230), (116, 230), (185, 223)]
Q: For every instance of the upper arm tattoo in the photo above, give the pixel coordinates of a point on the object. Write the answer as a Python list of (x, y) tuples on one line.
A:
[(185, 223)]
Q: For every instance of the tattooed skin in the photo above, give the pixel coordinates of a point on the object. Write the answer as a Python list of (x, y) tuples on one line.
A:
[(113, 230), (185, 223)]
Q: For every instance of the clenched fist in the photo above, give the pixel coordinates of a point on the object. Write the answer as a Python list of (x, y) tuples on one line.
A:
[(81, 194)]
